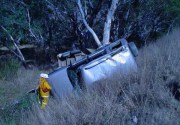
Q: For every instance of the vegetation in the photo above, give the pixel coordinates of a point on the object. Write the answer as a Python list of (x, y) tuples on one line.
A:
[(8, 69), (55, 26), (145, 95), (35, 31)]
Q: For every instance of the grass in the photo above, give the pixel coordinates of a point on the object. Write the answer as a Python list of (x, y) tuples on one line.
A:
[(145, 94), (8, 68), (14, 87)]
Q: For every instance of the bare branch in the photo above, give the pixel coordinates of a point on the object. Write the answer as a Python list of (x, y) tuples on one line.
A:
[(19, 55), (7, 33), (19, 51), (21, 2), (29, 25), (127, 13), (90, 3), (86, 24), (95, 10), (13, 52), (107, 26)]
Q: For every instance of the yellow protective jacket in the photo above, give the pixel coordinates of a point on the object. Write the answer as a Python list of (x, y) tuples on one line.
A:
[(44, 88)]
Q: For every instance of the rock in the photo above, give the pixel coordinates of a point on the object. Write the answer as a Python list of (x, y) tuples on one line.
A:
[(134, 119)]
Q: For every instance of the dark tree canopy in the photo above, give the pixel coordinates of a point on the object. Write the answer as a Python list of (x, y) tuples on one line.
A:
[(56, 25)]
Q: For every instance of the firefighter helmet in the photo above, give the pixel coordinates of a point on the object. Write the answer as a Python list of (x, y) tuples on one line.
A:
[(43, 75)]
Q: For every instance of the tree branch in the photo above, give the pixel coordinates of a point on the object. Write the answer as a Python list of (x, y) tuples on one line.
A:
[(29, 25), (96, 10), (86, 24), (11, 38), (19, 55)]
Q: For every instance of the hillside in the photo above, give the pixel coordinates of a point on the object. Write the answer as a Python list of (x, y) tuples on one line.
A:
[(151, 95)]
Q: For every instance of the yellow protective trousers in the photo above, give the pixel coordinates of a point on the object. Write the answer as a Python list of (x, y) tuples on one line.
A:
[(44, 102)]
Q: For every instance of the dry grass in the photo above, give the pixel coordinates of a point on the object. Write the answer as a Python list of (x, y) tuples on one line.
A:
[(145, 95), (13, 88)]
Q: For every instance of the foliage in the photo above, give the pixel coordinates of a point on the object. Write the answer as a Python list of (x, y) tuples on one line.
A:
[(13, 17), (174, 9), (57, 25)]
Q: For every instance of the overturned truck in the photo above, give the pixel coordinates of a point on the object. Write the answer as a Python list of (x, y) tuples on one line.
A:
[(101, 64)]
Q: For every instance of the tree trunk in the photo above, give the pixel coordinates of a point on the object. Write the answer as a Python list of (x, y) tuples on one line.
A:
[(107, 26)]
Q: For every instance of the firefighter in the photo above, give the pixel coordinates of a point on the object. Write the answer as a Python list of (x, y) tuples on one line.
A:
[(43, 90)]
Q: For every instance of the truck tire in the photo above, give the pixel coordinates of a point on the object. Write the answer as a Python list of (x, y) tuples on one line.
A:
[(133, 48)]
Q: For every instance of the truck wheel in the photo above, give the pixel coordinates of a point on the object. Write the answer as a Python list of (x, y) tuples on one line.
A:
[(133, 49)]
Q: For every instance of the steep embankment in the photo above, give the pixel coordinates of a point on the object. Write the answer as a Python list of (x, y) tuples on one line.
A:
[(145, 95)]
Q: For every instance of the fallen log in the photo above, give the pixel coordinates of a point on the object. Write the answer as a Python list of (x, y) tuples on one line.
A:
[(28, 46)]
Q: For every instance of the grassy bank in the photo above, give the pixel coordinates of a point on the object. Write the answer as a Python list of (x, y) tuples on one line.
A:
[(145, 95)]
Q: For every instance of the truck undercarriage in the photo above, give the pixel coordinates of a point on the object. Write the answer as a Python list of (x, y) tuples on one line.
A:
[(101, 64)]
